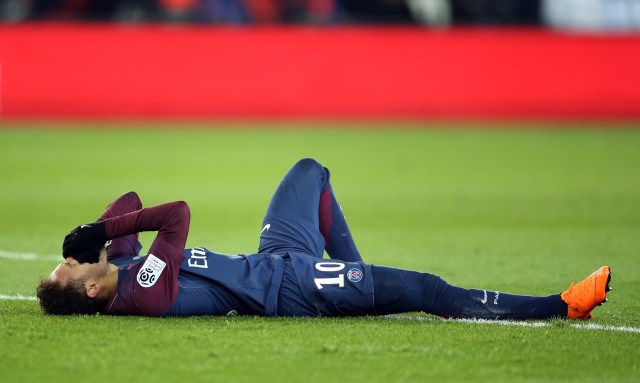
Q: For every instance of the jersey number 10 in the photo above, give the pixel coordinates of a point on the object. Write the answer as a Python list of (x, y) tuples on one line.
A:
[(330, 267)]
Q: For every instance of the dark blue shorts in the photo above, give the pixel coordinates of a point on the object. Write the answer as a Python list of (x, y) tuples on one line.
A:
[(325, 287)]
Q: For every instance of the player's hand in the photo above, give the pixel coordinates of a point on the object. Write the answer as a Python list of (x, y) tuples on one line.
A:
[(84, 242)]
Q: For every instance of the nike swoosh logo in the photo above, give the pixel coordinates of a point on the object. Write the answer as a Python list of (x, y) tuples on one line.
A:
[(483, 301), (83, 226), (265, 228)]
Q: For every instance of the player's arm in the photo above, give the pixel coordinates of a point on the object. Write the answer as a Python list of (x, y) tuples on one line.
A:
[(126, 203), (156, 284), (128, 245), (170, 220)]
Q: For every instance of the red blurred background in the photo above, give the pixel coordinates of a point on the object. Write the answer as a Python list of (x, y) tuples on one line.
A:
[(263, 67)]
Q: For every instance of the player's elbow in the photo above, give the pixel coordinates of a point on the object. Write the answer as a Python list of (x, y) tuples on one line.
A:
[(134, 199), (177, 216), (181, 211)]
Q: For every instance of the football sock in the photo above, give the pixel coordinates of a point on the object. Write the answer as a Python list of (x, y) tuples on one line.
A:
[(339, 243), (398, 290)]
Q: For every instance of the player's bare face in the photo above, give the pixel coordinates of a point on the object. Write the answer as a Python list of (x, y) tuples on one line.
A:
[(71, 270)]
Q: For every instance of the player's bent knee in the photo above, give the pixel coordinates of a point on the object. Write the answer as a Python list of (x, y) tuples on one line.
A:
[(308, 166)]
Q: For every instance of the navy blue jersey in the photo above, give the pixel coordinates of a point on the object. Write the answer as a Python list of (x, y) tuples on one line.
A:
[(212, 283), (215, 284)]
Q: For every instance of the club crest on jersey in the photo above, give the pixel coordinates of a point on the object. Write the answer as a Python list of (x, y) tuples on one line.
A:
[(355, 275), (150, 271)]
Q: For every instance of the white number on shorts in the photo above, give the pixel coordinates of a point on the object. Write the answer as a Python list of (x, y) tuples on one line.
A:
[(329, 267)]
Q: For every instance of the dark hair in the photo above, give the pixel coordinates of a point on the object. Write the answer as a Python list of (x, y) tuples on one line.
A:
[(67, 300)]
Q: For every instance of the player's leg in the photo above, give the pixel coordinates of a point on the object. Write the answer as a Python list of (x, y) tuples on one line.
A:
[(127, 246), (339, 242), (398, 290), (291, 221), (304, 215)]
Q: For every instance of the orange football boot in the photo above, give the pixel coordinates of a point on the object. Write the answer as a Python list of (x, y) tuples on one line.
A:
[(586, 295)]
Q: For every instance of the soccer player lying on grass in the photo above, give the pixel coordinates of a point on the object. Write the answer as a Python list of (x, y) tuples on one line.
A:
[(287, 277)]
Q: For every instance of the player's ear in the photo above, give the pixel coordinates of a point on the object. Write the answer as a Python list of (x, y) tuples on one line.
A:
[(91, 289)]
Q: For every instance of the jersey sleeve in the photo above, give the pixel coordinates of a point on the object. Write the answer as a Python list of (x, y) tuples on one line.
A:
[(126, 246), (152, 286)]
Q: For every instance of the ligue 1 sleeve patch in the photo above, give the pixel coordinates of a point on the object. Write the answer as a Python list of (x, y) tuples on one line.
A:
[(150, 272)]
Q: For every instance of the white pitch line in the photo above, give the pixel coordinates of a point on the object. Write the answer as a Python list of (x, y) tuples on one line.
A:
[(586, 326), (29, 256), (594, 326), (16, 298)]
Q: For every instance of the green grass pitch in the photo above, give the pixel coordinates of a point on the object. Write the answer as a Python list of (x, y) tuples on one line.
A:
[(525, 210)]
